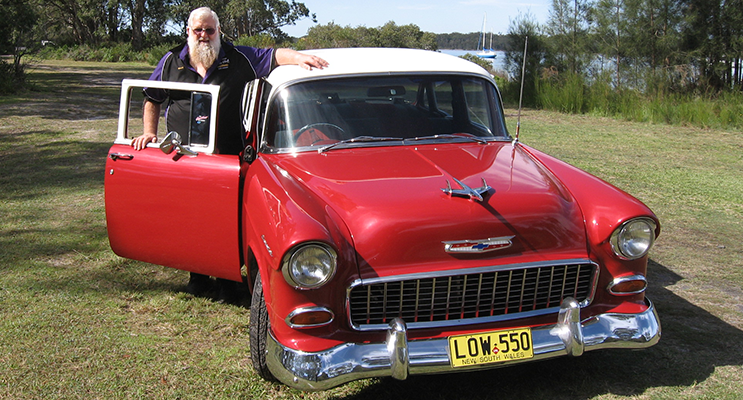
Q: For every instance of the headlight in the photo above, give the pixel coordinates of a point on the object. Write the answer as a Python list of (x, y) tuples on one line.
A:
[(634, 238), (309, 266)]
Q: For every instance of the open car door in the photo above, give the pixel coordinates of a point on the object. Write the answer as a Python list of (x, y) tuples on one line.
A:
[(174, 203)]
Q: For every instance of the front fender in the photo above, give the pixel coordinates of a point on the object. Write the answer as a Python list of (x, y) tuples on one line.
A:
[(280, 213), (604, 206)]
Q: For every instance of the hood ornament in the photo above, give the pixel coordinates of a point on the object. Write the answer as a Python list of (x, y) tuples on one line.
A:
[(466, 191), (478, 246)]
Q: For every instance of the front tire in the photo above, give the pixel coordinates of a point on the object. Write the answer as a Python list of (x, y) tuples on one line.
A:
[(259, 328)]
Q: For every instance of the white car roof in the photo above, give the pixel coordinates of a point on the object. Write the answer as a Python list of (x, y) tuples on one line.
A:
[(354, 61)]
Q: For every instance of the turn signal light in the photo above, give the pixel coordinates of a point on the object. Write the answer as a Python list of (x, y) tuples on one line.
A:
[(309, 317), (628, 285)]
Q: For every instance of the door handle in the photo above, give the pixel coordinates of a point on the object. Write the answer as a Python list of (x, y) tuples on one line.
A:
[(120, 156)]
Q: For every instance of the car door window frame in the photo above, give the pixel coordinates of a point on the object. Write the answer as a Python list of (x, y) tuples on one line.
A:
[(128, 86)]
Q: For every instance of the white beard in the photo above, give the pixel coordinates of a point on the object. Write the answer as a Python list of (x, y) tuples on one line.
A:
[(204, 53)]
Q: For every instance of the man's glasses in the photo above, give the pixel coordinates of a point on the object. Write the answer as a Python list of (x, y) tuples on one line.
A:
[(209, 31)]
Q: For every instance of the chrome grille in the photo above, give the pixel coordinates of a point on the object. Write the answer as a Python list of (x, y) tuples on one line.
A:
[(472, 297)]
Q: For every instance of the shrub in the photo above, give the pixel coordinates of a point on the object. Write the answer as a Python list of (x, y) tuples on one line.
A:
[(260, 41), (564, 93), (8, 84), (153, 55)]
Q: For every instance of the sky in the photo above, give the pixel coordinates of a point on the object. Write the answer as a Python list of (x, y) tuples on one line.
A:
[(437, 16)]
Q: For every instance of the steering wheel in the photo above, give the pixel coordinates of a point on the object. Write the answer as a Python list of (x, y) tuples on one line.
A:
[(309, 135)]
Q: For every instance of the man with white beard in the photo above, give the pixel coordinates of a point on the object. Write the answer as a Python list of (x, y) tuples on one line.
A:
[(205, 58)]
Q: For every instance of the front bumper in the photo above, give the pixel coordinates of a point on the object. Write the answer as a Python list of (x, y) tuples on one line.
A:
[(398, 357)]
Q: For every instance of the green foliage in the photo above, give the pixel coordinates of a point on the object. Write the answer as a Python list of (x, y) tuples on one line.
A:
[(7, 82), (485, 64), (713, 30), (118, 52), (565, 93), (568, 28), (153, 55), (18, 20), (122, 52), (525, 26), (17, 39), (569, 93), (252, 17), (333, 35), (244, 18), (261, 41)]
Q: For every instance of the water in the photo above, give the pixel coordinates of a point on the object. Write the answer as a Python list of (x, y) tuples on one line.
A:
[(499, 62)]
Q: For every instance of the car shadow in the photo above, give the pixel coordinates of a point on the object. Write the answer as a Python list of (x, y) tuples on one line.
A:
[(694, 342)]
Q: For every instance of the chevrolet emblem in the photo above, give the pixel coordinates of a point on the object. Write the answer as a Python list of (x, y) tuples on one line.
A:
[(478, 246)]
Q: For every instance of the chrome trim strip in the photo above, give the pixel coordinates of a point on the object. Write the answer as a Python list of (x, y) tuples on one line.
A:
[(399, 357), (461, 322), (478, 270)]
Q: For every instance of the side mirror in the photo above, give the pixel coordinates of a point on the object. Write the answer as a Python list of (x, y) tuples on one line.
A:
[(172, 142)]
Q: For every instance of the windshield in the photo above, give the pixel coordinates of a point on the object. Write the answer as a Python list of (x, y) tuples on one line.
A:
[(324, 112)]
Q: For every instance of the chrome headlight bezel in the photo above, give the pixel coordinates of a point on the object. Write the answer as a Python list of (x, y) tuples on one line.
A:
[(634, 238), (309, 265)]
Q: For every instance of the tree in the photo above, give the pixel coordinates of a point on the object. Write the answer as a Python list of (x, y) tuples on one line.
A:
[(713, 34), (611, 32), (333, 35), (388, 35), (78, 21), (655, 31), (16, 38), (524, 26), (568, 27), (136, 10), (406, 36), (251, 17)]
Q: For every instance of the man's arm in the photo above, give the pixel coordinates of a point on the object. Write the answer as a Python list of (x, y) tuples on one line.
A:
[(293, 57), (150, 117)]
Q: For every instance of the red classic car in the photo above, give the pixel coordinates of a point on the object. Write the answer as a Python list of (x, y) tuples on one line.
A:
[(386, 223)]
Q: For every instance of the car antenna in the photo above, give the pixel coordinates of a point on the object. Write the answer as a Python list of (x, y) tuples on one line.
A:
[(521, 93)]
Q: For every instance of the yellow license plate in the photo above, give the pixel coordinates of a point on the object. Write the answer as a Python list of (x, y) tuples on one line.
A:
[(490, 347)]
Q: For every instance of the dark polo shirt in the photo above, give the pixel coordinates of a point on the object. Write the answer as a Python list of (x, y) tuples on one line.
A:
[(235, 66)]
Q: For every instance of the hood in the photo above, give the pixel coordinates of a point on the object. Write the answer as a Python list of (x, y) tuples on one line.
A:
[(392, 202)]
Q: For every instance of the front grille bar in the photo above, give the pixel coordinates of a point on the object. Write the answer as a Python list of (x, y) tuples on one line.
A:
[(473, 296)]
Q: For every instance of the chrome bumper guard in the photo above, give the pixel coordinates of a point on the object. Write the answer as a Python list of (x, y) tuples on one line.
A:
[(398, 357)]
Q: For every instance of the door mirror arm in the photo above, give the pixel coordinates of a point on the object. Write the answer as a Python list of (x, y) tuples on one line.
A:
[(172, 142)]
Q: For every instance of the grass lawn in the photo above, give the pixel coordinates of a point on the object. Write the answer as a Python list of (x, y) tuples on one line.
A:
[(76, 321)]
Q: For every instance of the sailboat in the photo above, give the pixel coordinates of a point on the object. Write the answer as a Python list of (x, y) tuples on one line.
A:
[(483, 52)]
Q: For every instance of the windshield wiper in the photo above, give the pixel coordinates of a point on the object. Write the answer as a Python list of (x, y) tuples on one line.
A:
[(360, 139), (449, 136)]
